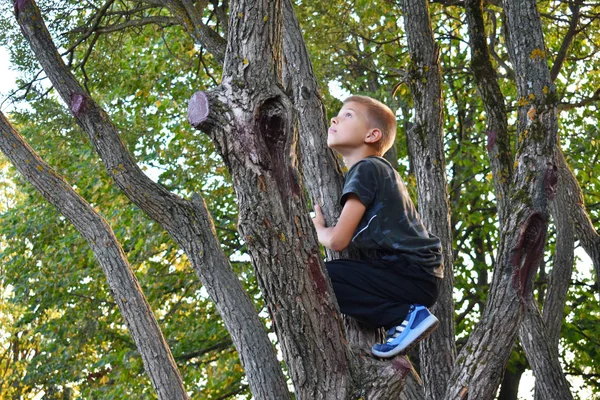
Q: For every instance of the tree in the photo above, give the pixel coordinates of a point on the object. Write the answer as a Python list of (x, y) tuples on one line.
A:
[(262, 120)]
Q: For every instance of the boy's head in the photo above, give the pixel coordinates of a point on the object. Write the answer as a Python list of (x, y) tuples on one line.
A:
[(367, 116)]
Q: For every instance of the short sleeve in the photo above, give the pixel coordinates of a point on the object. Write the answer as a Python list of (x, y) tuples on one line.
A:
[(361, 181)]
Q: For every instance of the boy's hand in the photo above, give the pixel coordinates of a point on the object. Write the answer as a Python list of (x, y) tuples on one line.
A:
[(318, 219), (338, 237)]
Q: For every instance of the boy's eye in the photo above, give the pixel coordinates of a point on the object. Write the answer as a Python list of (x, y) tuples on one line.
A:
[(348, 114)]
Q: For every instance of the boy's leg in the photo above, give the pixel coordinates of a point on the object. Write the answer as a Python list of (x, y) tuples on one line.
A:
[(379, 297)]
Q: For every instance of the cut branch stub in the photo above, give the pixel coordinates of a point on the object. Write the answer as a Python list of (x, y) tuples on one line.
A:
[(198, 109), (78, 103)]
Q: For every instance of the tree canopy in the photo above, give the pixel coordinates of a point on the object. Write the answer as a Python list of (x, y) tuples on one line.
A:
[(62, 334)]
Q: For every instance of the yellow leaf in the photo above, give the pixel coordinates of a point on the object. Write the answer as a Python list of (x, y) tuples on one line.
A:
[(537, 55)]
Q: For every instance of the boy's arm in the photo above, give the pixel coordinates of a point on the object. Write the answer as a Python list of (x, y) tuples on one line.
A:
[(338, 237)]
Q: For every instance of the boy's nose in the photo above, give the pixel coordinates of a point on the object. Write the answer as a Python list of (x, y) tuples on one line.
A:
[(334, 120)]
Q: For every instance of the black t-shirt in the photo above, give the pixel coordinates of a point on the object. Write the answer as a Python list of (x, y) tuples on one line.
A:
[(390, 231)]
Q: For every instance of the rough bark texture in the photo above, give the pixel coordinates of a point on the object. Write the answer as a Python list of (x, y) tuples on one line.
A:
[(413, 390), (484, 356), (144, 329), (498, 144), (584, 229), (321, 169), (540, 335), (428, 160), (188, 222), (542, 356), (254, 126)]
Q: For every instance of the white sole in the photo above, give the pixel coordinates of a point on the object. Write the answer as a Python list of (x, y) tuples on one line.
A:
[(426, 326)]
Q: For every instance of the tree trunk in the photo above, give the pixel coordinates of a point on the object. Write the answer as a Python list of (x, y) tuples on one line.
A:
[(531, 332), (321, 169), (254, 126), (550, 382), (484, 357), (584, 229), (498, 145), (188, 222), (144, 329), (426, 146)]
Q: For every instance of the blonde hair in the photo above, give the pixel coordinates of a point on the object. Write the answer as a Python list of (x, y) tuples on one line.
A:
[(381, 117)]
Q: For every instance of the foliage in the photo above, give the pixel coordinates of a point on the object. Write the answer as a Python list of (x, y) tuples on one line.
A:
[(55, 303)]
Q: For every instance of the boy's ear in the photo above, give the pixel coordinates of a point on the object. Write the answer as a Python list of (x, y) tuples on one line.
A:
[(373, 136)]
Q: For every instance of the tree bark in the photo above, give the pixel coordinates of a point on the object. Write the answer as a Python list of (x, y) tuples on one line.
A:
[(144, 329), (543, 358), (426, 146), (498, 145), (321, 169), (537, 349), (188, 222), (484, 357), (254, 126), (584, 229), (541, 338)]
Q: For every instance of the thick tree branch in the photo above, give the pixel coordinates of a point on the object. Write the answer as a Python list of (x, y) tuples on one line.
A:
[(497, 126), (523, 235), (321, 172), (542, 356), (185, 12), (540, 339), (574, 6), (136, 311), (260, 147), (584, 229), (427, 151), (188, 222)]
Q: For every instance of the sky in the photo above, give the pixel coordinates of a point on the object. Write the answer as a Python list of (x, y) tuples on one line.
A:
[(7, 78)]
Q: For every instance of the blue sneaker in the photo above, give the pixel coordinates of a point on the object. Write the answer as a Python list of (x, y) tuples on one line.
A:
[(419, 323)]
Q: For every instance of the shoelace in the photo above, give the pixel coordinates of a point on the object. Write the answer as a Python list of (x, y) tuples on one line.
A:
[(397, 331)]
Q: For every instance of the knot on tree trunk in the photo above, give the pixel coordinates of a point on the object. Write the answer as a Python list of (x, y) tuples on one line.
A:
[(78, 103), (551, 181), (198, 109)]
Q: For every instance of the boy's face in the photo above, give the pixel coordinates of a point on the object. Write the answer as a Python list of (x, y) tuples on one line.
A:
[(349, 129)]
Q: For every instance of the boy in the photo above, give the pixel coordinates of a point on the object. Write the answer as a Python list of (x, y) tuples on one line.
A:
[(400, 264)]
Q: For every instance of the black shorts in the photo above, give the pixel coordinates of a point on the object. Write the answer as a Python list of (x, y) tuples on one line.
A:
[(380, 296)]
